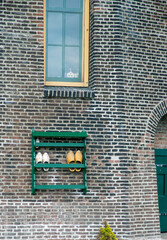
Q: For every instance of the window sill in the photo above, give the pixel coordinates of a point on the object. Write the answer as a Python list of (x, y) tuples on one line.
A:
[(68, 92)]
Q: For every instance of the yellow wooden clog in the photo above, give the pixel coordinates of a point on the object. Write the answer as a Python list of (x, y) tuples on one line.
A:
[(78, 159), (70, 159)]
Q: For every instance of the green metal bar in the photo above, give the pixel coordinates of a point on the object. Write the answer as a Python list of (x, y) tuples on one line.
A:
[(82, 134), (57, 165), (33, 163), (47, 144), (59, 187), (84, 170)]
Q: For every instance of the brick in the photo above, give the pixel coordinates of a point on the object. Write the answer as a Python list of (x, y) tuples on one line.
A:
[(123, 112)]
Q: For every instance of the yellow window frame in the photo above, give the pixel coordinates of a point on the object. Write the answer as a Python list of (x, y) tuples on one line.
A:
[(85, 51)]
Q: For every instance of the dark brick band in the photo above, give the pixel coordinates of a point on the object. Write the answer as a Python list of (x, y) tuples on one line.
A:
[(68, 92)]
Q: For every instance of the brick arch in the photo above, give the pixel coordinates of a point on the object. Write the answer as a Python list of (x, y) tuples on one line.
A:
[(158, 112)]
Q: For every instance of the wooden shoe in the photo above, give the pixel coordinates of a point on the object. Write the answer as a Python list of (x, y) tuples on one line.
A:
[(70, 159), (46, 159), (78, 159), (38, 159)]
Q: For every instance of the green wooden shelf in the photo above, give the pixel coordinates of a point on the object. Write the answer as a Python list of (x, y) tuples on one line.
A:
[(59, 187), (82, 134), (62, 145), (59, 165), (61, 138)]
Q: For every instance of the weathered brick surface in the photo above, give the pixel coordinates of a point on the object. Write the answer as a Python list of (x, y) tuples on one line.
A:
[(128, 78), (161, 133)]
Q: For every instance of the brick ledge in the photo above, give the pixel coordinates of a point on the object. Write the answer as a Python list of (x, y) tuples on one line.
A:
[(68, 92)]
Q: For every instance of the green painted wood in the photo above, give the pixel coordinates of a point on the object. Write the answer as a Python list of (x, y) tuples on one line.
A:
[(47, 144), (160, 152), (161, 166), (84, 170), (57, 165), (163, 221), (59, 187), (33, 167), (82, 134), (59, 135), (161, 160), (70, 10)]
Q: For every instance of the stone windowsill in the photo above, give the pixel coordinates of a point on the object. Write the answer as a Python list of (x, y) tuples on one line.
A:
[(68, 92)]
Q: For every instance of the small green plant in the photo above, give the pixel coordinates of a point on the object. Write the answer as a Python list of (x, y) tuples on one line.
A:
[(106, 233)]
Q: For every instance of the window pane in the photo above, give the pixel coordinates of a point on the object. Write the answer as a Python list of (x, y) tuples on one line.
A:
[(54, 28), (55, 3), (71, 62), (72, 29), (54, 61), (73, 4)]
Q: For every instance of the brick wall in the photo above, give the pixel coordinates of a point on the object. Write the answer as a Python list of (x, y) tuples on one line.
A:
[(127, 76), (161, 133), (144, 70)]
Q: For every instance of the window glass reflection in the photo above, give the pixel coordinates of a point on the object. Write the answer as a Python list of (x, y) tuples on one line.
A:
[(71, 62), (72, 29), (73, 3), (54, 28), (55, 3), (54, 61)]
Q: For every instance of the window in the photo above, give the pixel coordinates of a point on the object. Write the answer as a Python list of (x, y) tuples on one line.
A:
[(66, 42)]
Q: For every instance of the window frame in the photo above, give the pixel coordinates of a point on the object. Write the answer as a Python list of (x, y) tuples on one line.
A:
[(85, 51)]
